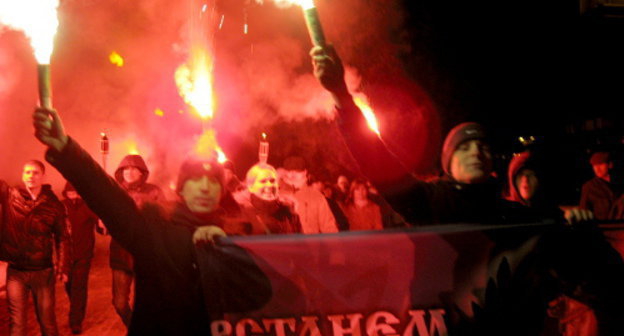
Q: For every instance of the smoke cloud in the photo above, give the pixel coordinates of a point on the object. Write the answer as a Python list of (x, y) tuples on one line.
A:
[(263, 81)]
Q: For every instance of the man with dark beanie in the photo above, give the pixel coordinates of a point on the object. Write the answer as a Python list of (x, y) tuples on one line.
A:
[(187, 274), (132, 175), (467, 193), (546, 263)]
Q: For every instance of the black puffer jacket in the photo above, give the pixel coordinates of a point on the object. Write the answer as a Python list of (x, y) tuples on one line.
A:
[(180, 288), (32, 229)]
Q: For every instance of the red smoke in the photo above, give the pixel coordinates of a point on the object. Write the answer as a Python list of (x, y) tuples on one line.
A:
[(261, 78)]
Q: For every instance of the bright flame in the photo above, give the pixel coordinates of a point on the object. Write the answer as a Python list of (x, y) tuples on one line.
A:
[(194, 80), (207, 147), (116, 59), (305, 4), (131, 147), (159, 112), (263, 136), (221, 155), (38, 20), (368, 113)]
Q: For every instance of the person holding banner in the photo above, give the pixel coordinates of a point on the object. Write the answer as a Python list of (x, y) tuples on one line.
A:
[(467, 193), (187, 274), (527, 267)]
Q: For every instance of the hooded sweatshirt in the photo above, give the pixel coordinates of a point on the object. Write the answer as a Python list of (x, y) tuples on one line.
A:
[(141, 192)]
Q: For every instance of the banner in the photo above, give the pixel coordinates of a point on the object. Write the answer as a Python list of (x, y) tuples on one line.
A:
[(448, 280)]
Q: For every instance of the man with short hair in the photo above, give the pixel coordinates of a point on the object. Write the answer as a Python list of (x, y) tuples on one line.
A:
[(33, 226), (309, 203), (185, 276), (132, 175), (599, 194)]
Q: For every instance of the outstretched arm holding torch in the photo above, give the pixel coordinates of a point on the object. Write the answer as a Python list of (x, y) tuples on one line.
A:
[(376, 162)]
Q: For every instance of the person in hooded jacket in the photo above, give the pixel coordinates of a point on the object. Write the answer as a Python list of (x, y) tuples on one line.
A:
[(132, 174), (82, 223), (187, 273)]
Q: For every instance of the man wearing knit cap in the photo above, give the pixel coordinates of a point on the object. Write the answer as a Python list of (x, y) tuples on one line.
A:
[(599, 194), (186, 274), (467, 192)]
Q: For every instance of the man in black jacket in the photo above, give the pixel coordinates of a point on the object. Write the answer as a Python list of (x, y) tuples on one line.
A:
[(83, 223), (33, 226), (466, 194), (180, 286)]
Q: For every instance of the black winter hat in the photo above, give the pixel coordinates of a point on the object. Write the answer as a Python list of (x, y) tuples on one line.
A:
[(193, 168), (460, 133)]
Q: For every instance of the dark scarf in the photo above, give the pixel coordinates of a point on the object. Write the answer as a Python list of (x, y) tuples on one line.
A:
[(183, 216)]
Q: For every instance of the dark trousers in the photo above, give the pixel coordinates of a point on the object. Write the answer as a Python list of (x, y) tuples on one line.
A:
[(76, 288), (122, 284), (41, 284)]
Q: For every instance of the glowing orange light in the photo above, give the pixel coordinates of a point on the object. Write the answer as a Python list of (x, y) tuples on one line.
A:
[(368, 113), (221, 155), (263, 136), (195, 82), (37, 19), (131, 147), (116, 59), (159, 112), (207, 147)]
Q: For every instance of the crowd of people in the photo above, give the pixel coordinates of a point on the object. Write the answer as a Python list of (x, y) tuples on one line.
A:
[(178, 240)]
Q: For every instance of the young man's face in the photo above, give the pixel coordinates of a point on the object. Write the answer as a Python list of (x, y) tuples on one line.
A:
[(265, 185), (32, 176), (132, 174), (201, 194), (526, 183), (343, 183), (471, 162), (601, 169)]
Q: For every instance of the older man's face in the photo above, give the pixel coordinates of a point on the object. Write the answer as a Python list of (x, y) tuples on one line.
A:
[(471, 162), (265, 185), (201, 194)]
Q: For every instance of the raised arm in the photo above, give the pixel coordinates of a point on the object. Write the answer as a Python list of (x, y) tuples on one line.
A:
[(375, 161), (101, 192)]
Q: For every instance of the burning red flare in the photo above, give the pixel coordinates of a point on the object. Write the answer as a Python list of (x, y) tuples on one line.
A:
[(368, 113), (195, 82), (38, 20)]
